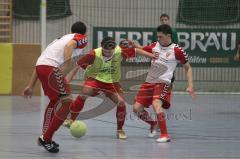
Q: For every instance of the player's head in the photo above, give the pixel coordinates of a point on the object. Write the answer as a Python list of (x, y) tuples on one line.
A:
[(79, 27), (164, 34), (164, 19), (126, 44), (108, 45)]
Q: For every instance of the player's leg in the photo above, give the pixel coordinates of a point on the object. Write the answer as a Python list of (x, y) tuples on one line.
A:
[(116, 95), (143, 100), (58, 118), (166, 103), (159, 98), (78, 104), (52, 106), (142, 114), (167, 100), (43, 72), (53, 85), (49, 113)]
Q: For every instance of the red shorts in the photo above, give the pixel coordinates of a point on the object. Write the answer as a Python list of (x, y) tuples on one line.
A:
[(150, 91), (104, 87), (53, 82)]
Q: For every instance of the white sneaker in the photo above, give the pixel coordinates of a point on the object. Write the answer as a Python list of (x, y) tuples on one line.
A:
[(121, 134), (163, 138), (153, 131), (67, 123), (152, 134)]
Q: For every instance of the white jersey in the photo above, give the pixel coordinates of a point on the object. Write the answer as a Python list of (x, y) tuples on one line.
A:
[(53, 55), (162, 69)]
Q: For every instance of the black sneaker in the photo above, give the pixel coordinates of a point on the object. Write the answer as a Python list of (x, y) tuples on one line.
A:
[(53, 142), (49, 146)]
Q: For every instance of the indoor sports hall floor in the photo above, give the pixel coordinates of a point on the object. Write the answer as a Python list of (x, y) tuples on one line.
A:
[(208, 127)]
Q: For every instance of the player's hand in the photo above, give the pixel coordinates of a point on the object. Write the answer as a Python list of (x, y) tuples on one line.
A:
[(156, 55), (126, 44), (136, 44), (68, 78), (191, 92), (27, 92)]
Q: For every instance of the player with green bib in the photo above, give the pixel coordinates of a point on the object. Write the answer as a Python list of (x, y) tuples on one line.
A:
[(103, 72)]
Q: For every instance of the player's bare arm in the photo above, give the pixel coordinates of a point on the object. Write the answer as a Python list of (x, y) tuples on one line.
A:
[(82, 63), (145, 53), (27, 92), (71, 74), (137, 45), (68, 50), (188, 69)]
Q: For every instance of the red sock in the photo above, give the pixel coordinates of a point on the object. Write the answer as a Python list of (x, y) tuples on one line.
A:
[(57, 120), (144, 115), (120, 115), (76, 106), (162, 123), (48, 115)]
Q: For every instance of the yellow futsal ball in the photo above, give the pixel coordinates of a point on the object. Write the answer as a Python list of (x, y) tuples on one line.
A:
[(78, 128)]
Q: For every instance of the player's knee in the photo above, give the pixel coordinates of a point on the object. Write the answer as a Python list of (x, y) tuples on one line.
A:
[(157, 103), (157, 106), (137, 108), (54, 100)]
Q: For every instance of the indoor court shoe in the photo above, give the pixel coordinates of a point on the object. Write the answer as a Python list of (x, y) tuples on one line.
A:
[(67, 123), (49, 146), (153, 131), (121, 134), (53, 142), (163, 138), (152, 134)]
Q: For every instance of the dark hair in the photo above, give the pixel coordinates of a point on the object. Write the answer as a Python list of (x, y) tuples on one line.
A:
[(165, 29), (79, 27), (164, 15), (108, 43)]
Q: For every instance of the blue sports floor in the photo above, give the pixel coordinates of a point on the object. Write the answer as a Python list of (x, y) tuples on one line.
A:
[(208, 127)]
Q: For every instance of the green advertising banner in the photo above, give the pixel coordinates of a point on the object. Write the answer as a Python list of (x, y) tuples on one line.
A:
[(205, 47)]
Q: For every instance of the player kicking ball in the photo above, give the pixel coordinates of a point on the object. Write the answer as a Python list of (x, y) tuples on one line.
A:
[(154, 91), (49, 69)]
